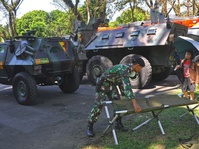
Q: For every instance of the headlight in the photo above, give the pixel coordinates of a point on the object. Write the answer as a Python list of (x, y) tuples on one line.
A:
[(37, 69)]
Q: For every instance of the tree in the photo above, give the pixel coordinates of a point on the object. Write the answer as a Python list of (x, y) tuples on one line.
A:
[(60, 5), (83, 12), (128, 4), (126, 17), (156, 5), (34, 20), (3, 12), (60, 23), (55, 23), (12, 6), (164, 8), (191, 7), (72, 6), (97, 9), (4, 34), (93, 8)]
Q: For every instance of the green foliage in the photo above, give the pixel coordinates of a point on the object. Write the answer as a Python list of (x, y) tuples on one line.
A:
[(97, 8), (60, 23), (127, 17), (114, 24), (83, 12), (4, 34), (55, 23), (35, 19), (149, 136)]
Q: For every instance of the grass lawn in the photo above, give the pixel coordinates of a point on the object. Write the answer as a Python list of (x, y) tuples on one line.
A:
[(150, 136)]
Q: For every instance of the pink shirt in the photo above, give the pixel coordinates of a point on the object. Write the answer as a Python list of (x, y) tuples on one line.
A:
[(186, 66)]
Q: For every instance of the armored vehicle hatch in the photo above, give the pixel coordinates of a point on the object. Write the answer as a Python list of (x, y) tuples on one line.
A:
[(153, 43)]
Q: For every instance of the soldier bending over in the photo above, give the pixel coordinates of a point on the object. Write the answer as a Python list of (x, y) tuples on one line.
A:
[(106, 86)]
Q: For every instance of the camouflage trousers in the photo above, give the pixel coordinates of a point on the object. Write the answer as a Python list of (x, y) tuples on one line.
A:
[(101, 96)]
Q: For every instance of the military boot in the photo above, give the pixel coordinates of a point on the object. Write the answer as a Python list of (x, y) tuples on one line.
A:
[(89, 131), (119, 125)]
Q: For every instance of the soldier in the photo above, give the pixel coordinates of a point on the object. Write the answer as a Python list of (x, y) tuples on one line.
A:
[(106, 86)]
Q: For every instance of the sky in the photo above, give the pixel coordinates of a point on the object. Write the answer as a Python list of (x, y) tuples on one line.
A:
[(30, 5), (46, 5)]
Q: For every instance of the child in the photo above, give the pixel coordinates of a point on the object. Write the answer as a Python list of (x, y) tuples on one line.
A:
[(196, 71), (188, 83)]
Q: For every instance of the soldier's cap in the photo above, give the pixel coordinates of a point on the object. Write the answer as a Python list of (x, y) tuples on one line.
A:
[(138, 60)]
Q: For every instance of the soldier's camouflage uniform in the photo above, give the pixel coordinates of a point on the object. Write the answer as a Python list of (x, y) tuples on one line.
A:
[(106, 86)]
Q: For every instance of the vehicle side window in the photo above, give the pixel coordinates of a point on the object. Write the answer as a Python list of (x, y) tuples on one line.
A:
[(2, 50)]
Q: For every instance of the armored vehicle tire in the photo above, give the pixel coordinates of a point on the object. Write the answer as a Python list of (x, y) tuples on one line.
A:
[(24, 89), (96, 66), (144, 77), (162, 75), (70, 82)]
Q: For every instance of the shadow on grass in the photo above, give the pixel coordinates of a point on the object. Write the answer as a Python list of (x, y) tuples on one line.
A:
[(150, 136)]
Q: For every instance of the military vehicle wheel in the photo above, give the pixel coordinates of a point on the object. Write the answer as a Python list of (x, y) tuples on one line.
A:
[(144, 77), (24, 89), (96, 66), (70, 82), (166, 71)]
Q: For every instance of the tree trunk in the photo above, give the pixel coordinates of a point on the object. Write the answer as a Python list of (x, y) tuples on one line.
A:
[(88, 11), (104, 9), (194, 7), (73, 7), (132, 10), (188, 7), (164, 8), (12, 11)]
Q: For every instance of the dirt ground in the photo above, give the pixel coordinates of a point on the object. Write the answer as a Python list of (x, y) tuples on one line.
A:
[(58, 121)]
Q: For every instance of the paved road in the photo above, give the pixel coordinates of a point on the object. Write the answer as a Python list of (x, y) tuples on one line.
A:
[(58, 121)]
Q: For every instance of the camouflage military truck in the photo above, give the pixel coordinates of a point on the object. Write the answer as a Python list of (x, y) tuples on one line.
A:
[(152, 42), (28, 61)]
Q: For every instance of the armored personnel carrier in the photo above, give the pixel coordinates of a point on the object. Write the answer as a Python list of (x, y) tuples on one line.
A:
[(153, 42), (28, 61)]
